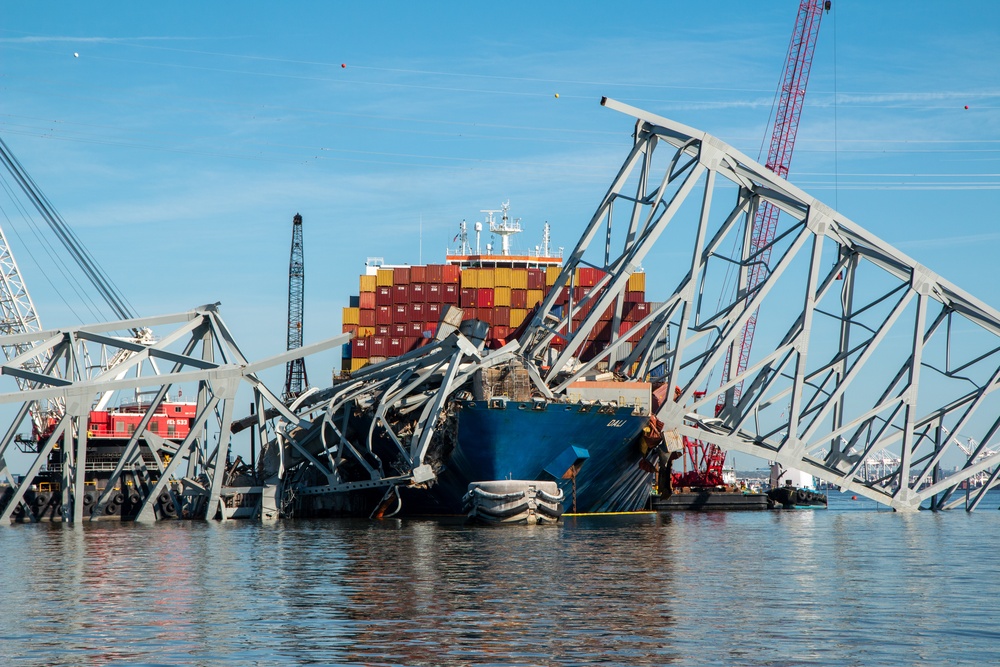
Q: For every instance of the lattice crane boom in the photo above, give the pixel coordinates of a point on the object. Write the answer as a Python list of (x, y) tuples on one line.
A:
[(788, 113), (295, 370)]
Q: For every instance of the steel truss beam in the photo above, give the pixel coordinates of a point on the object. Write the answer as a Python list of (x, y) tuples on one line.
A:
[(200, 352), (860, 353), (407, 398)]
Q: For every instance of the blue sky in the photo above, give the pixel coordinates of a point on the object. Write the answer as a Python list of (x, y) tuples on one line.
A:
[(179, 140)]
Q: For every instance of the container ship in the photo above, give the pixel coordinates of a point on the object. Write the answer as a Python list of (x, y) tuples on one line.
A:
[(590, 440)]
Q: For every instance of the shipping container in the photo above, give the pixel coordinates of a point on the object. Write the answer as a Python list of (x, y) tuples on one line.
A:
[(383, 330), (485, 314), (367, 283), (502, 277), (383, 278), (350, 328), (418, 274), (433, 313), (396, 346), (487, 278), (366, 332), (551, 274), (535, 297), (519, 298), (418, 292), (469, 297), (400, 294), (501, 296), (500, 332), (415, 312), (536, 279), (383, 315), (519, 279), (637, 282), (383, 295), (470, 279), (401, 275), (634, 297), (350, 316), (366, 317), (435, 273), (366, 300), (358, 364), (399, 329), (415, 329), (380, 346), (484, 297), (517, 317), (400, 313), (433, 293), (449, 294), (361, 348), (501, 316), (587, 276), (450, 274), (354, 301)]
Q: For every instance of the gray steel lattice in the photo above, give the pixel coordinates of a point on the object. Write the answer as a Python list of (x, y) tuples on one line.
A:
[(861, 355)]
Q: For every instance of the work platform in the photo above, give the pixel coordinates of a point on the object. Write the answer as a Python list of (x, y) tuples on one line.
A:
[(729, 501)]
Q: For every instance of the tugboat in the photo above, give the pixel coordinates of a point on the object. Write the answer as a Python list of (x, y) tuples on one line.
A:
[(793, 489)]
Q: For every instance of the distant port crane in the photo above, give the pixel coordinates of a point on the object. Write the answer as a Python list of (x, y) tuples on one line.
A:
[(296, 379)]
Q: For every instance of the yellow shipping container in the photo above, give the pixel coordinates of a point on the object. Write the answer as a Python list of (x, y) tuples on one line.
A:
[(551, 273), (637, 282), (383, 278), (535, 296), (365, 332), (470, 279), (501, 296), (358, 364), (487, 278), (368, 283), (503, 276), (519, 279), (517, 316), (351, 315)]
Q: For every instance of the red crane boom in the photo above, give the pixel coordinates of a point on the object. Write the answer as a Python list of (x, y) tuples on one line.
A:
[(706, 460)]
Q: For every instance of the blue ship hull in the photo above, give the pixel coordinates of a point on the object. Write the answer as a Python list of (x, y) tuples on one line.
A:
[(528, 441)]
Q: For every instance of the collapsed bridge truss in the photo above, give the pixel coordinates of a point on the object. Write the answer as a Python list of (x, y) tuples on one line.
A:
[(860, 352)]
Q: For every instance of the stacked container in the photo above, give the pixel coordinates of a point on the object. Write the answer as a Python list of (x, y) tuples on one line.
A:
[(398, 309)]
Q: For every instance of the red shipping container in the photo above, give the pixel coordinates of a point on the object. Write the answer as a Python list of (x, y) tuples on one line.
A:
[(536, 279), (401, 275), (366, 300), (433, 313), (400, 294), (366, 316), (449, 294), (415, 329), (500, 332), (484, 297), (450, 273), (519, 298), (433, 293), (418, 292), (469, 297), (415, 312), (383, 295), (361, 348), (398, 330), (563, 298), (580, 292), (383, 315), (396, 346), (485, 314), (379, 346), (501, 316), (634, 297), (400, 313), (412, 342), (418, 274), (383, 329), (350, 328), (434, 273), (588, 277)]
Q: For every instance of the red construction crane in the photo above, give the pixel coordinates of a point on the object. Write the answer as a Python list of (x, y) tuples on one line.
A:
[(706, 460)]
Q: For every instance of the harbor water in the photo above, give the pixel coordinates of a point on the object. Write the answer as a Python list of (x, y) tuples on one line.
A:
[(855, 584)]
